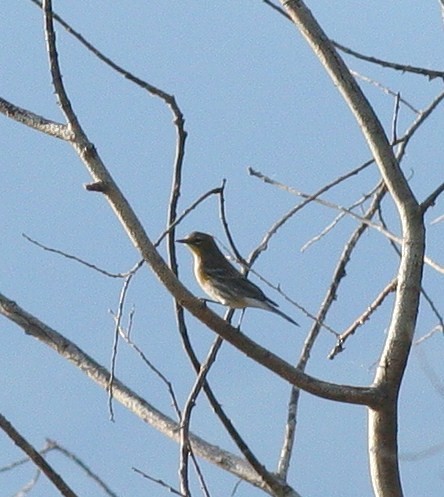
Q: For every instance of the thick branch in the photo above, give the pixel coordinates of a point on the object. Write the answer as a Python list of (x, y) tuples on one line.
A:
[(35, 121), (136, 404), (382, 437)]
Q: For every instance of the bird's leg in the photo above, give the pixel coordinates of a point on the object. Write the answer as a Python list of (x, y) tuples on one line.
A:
[(205, 301), (241, 318)]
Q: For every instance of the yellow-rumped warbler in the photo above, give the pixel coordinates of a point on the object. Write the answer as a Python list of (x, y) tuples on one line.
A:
[(222, 281)]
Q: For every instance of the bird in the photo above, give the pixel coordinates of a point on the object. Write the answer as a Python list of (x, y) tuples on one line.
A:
[(220, 280)]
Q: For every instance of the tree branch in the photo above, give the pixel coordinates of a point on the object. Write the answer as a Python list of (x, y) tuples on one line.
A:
[(36, 458), (35, 121), (383, 449), (128, 398), (429, 73), (136, 232)]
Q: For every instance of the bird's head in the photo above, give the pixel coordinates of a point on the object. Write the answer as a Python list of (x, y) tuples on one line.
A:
[(199, 243)]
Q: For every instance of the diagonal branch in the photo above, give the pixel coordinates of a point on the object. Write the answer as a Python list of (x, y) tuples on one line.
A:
[(128, 398), (431, 199), (36, 458), (430, 73), (365, 316), (35, 121)]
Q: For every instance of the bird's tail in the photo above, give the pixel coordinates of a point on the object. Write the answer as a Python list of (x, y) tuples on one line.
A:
[(282, 314)]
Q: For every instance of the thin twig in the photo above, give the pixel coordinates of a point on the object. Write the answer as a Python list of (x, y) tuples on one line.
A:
[(433, 377), (436, 329), (54, 66), (186, 414), (281, 292), (126, 337), (119, 315), (385, 90), (308, 198), (336, 220), (81, 261), (437, 220), (52, 444), (278, 9), (365, 316), (429, 73), (395, 118), (420, 455), (204, 196), (200, 476), (417, 123), (29, 486), (159, 482), (362, 219), (323, 233), (431, 199), (169, 99), (223, 217)]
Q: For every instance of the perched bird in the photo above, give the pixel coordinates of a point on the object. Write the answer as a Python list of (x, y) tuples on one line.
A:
[(222, 281)]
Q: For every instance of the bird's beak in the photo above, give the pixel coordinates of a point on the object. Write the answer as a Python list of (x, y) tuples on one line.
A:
[(184, 240)]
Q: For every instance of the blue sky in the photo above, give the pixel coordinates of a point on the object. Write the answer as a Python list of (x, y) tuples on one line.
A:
[(253, 95)]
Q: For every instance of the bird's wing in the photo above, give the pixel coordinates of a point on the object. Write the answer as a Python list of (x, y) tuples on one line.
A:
[(234, 282)]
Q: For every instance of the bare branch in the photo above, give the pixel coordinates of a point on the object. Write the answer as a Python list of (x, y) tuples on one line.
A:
[(204, 196), (129, 399), (426, 296), (53, 445), (186, 415), (383, 421), (39, 123), (365, 316), (431, 199), (88, 154), (281, 292), (438, 220), (436, 329), (395, 118), (36, 458), (117, 328), (153, 90), (330, 297), (429, 73), (308, 198), (81, 261), (159, 482), (223, 217), (418, 122), (200, 476), (385, 90), (154, 369), (336, 220), (278, 9), (381, 229), (26, 489)]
